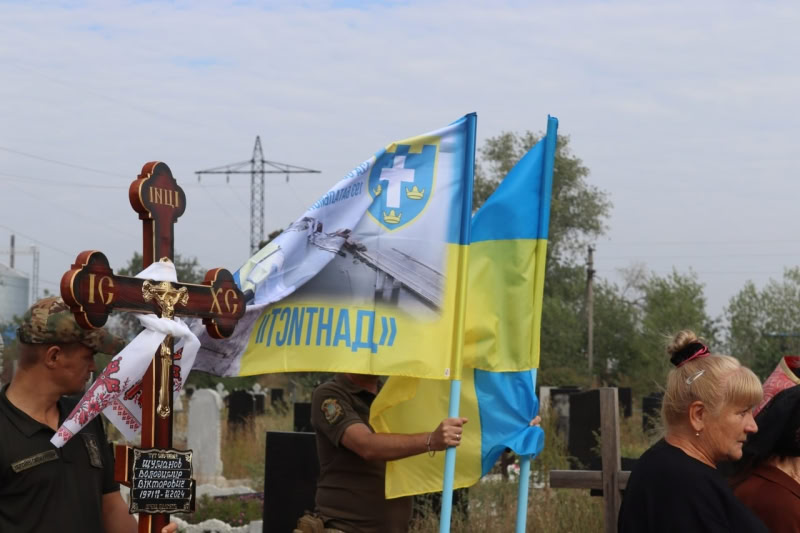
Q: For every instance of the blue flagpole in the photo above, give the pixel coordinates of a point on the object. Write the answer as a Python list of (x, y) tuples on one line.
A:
[(525, 460), (524, 481), (522, 496), (458, 334), (450, 462)]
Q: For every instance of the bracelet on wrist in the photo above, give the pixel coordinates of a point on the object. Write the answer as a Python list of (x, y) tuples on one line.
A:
[(431, 453)]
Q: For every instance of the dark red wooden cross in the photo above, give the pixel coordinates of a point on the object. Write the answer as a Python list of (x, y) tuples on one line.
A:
[(93, 291)]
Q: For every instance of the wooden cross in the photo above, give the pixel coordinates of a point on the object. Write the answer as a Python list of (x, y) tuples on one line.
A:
[(93, 291), (612, 480)]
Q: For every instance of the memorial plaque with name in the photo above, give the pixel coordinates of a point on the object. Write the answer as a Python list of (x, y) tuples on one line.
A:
[(161, 481)]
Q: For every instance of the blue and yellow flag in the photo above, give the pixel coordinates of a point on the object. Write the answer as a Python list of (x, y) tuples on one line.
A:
[(504, 306), (370, 278)]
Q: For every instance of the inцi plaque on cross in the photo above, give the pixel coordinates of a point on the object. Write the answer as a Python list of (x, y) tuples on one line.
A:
[(93, 291)]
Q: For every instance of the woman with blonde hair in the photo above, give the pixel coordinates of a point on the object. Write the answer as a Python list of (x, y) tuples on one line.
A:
[(707, 415)]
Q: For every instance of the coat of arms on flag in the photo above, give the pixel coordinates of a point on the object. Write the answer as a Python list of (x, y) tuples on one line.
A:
[(401, 182)]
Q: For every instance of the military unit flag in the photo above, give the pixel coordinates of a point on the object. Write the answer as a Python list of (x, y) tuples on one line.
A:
[(368, 279)]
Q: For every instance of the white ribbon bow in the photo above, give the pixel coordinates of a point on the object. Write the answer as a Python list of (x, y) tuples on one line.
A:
[(117, 389)]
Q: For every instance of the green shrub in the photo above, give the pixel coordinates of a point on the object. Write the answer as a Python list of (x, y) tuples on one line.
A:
[(232, 510)]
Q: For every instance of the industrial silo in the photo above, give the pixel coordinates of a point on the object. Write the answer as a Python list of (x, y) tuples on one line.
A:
[(14, 291)]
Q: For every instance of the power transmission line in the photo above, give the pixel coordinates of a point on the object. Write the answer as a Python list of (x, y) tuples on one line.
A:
[(62, 163), (258, 167)]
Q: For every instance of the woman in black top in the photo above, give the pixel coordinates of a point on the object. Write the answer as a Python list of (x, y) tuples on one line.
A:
[(707, 413)]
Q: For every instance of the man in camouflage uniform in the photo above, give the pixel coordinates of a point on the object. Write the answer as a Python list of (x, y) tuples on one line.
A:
[(43, 488), (350, 490)]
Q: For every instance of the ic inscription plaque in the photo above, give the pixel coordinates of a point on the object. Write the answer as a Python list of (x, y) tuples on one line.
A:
[(161, 481)]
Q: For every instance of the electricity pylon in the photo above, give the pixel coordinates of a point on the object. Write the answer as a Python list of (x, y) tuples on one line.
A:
[(258, 167)]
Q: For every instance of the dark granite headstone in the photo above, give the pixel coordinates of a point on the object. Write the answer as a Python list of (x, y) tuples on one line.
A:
[(625, 401), (651, 411), (241, 407), (260, 398), (584, 427), (290, 479), (276, 397), (302, 417)]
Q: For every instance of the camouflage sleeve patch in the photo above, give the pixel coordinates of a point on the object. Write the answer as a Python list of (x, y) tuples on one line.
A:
[(332, 410)]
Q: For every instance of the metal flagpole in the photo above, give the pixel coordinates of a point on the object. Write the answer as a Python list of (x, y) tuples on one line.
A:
[(458, 334), (525, 460), (450, 462), (524, 481)]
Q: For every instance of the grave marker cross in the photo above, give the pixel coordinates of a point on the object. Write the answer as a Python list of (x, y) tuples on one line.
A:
[(611, 479), (92, 291)]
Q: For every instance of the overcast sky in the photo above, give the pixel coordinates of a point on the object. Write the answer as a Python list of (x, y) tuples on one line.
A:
[(685, 112)]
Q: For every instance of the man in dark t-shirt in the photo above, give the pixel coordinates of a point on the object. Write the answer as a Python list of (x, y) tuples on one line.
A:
[(44, 488), (350, 489)]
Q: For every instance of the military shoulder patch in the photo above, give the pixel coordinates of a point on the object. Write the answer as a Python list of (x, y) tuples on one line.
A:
[(93, 449), (332, 410)]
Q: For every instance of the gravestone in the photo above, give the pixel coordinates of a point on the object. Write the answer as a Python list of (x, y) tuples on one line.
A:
[(260, 398), (241, 407), (221, 390), (291, 469), (544, 398), (559, 404), (625, 402), (302, 417), (203, 435), (651, 411), (276, 397), (584, 428)]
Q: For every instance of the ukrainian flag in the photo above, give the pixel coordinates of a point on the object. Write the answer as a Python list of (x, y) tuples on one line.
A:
[(504, 302)]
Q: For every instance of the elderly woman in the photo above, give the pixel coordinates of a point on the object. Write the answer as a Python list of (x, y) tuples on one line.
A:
[(707, 413), (768, 478)]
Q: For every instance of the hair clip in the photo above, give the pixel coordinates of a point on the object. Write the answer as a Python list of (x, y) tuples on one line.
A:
[(691, 379)]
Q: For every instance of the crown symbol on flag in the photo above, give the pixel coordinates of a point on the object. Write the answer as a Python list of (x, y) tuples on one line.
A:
[(414, 193), (378, 190), (391, 217)]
